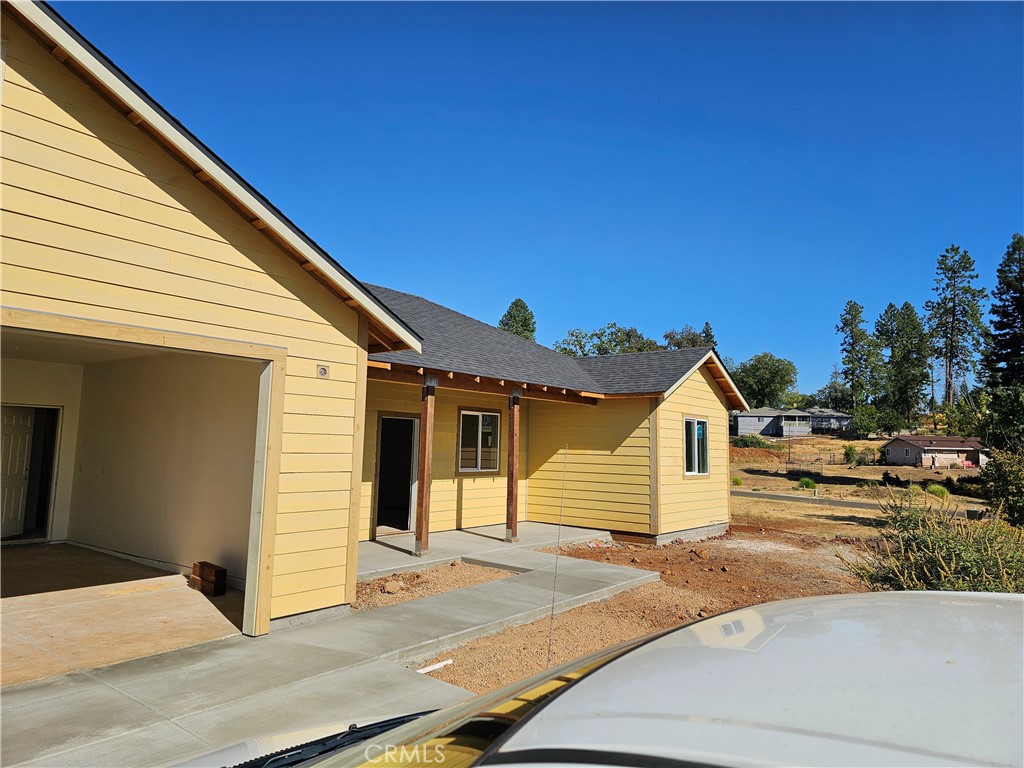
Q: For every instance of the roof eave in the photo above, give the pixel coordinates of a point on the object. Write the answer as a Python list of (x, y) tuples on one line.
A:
[(145, 113), (722, 378)]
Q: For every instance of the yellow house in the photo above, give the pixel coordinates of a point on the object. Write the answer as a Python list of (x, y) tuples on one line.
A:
[(186, 376), (483, 428), (183, 373)]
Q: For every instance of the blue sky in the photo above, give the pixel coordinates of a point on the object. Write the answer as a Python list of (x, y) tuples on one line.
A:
[(650, 164)]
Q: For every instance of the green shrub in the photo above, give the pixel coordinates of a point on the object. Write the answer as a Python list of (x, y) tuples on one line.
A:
[(753, 441), (938, 491), (924, 549), (850, 454), (865, 457), (806, 482), (1004, 479), (737, 481), (867, 483)]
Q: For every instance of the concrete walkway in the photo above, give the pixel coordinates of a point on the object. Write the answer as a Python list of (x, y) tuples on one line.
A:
[(152, 710)]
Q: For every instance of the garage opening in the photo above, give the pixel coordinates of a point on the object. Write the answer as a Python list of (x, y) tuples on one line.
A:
[(148, 456), (396, 474), (27, 454)]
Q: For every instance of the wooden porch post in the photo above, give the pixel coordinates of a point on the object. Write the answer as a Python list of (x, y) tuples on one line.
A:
[(512, 507), (425, 473)]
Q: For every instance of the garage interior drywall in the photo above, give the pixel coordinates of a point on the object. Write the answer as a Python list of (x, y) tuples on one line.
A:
[(166, 447)]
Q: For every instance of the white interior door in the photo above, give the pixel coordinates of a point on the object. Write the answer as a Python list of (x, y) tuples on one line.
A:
[(15, 457)]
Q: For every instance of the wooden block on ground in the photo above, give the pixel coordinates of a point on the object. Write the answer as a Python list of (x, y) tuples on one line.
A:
[(210, 572), (208, 588)]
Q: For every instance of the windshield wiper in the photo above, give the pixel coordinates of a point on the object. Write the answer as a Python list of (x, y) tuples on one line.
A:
[(354, 735)]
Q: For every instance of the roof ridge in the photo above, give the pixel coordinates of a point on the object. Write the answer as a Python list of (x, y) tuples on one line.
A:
[(373, 287)]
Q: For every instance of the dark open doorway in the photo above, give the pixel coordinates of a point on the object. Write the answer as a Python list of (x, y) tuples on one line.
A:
[(29, 454), (396, 473)]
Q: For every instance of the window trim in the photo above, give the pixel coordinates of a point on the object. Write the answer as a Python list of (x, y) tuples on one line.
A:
[(687, 448), (459, 469)]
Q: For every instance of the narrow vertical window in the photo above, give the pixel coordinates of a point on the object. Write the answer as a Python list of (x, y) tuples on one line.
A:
[(695, 446), (478, 441)]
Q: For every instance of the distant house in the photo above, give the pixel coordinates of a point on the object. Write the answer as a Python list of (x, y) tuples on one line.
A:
[(825, 421), (934, 451), (772, 422)]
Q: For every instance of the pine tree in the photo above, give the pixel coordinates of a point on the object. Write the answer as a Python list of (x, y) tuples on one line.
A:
[(707, 336), (904, 343), (1004, 358), (954, 317), (861, 356), (518, 319)]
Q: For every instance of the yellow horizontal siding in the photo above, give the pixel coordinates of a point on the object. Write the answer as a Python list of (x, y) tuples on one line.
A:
[(603, 480), (691, 501), (309, 560), (301, 602), (100, 222), (456, 500)]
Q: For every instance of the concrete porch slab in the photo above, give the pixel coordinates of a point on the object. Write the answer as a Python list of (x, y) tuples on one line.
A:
[(394, 554)]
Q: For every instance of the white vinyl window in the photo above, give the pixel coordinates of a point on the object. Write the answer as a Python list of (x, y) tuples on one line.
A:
[(695, 446), (478, 441), (888, 452)]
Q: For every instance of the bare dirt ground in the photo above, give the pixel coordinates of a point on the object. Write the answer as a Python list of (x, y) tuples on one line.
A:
[(821, 459), (399, 587), (770, 553)]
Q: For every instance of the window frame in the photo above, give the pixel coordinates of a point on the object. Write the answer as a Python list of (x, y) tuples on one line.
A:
[(480, 413), (696, 420)]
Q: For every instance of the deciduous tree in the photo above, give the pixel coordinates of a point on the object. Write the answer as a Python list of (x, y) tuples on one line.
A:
[(954, 317), (689, 337), (612, 339), (765, 379), (519, 319), (835, 395)]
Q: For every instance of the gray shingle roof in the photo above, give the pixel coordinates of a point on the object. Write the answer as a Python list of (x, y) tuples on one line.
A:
[(455, 342), (767, 412), (641, 371)]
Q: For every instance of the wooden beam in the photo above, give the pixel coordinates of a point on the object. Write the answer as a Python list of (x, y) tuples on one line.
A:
[(424, 473), (594, 395), (512, 496), (259, 224), (379, 364), (203, 176), (59, 54), (134, 118), (400, 374)]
